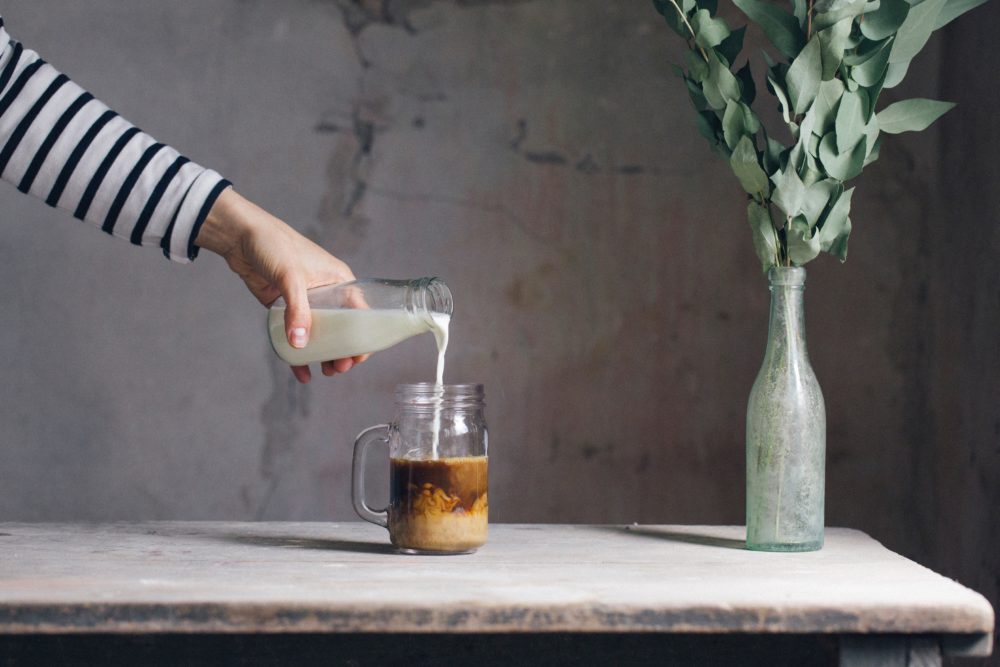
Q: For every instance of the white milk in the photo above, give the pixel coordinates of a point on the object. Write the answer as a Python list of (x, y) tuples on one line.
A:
[(347, 332), (441, 336), (343, 332)]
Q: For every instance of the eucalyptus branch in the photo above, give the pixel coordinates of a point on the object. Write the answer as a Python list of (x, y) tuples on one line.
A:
[(690, 29), (826, 89)]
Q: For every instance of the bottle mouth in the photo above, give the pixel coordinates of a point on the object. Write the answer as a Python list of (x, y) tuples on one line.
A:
[(792, 276), (422, 396), (434, 296)]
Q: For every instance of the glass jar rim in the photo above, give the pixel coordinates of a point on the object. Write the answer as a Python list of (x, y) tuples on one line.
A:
[(429, 395)]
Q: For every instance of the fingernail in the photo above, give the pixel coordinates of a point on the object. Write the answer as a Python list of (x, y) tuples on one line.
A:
[(299, 338)]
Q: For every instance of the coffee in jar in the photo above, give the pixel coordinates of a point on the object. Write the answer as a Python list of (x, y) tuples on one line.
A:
[(438, 504)]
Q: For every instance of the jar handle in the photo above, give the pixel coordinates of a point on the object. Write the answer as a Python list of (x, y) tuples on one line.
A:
[(370, 435)]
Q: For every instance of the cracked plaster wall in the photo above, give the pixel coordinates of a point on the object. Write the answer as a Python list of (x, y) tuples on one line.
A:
[(541, 157)]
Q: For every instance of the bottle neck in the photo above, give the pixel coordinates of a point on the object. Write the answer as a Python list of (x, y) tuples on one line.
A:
[(786, 327), (427, 297)]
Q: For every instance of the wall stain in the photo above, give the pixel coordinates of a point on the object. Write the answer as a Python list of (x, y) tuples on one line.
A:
[(584, 164), (528, 290)]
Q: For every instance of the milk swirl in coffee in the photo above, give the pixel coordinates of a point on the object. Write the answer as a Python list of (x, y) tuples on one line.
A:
[(438, 505)]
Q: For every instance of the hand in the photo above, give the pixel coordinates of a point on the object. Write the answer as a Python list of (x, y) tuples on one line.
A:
[(274, 260)]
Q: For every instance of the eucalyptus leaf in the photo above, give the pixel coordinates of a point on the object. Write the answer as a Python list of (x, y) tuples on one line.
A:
[(697, 67), (800, 11), (788, 191), (872, 131), (911, 115), (812, 172), (894, 74), (915, 30), (865, 49), (817, 196), (803, 243), (708, 31), (720, 85), (837, 227), (805, 129), (804, 76), (839, 246), (812, 145), (868, 97), (826, 6), (772, 154), (842, 166), (953, 9), (846, 10), (688, 6), (850, 123), (833, 42), (885, 21), (874, 152), (779, 92), (872, 70), (738, 121), (779, 26), (796, 158), (744, 164), (730, 47), (764, 239), (824, 107)]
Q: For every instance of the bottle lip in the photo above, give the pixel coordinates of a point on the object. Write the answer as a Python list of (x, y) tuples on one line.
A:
[(435, 296), (428, 395), (793, 276)]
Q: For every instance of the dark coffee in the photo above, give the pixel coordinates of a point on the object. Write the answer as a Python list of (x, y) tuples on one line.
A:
[(438, 504)]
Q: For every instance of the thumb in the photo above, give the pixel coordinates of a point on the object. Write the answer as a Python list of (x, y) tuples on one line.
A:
[(298, 317)]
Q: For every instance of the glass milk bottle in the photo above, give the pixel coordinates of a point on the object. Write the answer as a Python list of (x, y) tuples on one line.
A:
[(363, 316)]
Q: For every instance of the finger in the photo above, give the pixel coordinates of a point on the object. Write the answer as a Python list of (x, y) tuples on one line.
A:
[(356, 299), (343, 365), (301, 374), (328, 368), (298, 317), (360, 358)]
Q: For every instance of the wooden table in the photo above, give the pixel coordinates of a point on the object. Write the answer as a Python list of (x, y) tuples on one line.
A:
[(640, 594)]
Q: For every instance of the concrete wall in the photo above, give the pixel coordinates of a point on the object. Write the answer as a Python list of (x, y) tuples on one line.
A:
[(542, 158)]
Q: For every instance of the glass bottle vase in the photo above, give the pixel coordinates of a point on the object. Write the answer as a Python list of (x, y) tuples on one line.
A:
[(786, 431)]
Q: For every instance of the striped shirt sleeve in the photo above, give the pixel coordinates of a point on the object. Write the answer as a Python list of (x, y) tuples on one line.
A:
[(60, 144)]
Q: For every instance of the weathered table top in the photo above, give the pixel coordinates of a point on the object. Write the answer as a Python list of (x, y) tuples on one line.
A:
[(343, 577)]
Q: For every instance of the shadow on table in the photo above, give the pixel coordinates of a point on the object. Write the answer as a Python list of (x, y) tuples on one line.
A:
[(293, 542), (679, 536)]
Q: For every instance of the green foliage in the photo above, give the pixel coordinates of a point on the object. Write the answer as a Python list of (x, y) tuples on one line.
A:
[(911, 115), (838, 56)]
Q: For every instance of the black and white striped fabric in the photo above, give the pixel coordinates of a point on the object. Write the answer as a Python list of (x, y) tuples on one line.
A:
[(62, 145)]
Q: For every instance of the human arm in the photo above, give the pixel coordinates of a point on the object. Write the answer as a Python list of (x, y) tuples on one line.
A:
[(60, 144)]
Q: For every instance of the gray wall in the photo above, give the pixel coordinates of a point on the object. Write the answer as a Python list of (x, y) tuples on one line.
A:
[(542, 158)]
